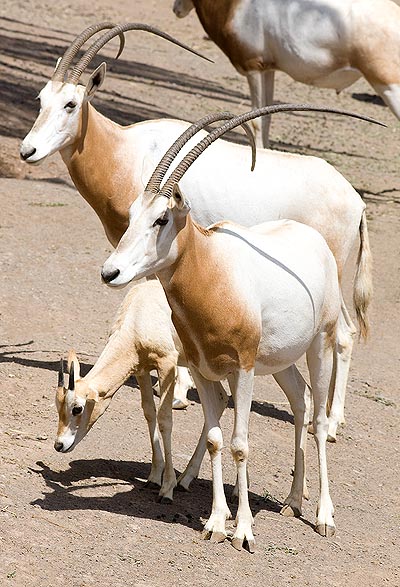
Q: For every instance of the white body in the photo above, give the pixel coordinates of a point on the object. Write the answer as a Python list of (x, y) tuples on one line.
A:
[(272, 295), (324, 43)]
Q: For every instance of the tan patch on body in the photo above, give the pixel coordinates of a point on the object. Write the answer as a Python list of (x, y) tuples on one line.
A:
[(212, 322), (217, 21)]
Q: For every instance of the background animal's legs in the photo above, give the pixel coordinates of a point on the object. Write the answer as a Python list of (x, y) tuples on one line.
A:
[(261, 84)]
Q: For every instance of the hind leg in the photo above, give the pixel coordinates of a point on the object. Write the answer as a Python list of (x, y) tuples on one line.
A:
[(149, 411), (297, 392), (346, 332), (390, 94), (320, 365), (183, 383)]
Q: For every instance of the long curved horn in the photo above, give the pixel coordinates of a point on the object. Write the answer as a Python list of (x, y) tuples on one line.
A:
[(77, 43), (155, 180), (191, 157), (82, 64), (61, 374)]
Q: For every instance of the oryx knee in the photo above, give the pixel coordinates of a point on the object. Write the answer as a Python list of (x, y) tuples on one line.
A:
[(239, 449), (214, 440)]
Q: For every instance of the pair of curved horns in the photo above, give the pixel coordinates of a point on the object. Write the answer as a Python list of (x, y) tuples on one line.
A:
[(162, 167), (71, 380), (116, 30)]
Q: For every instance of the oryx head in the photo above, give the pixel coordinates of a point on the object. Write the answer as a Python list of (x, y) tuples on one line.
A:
[(62, 98), (78, 406), (159, 214), (182, 7)]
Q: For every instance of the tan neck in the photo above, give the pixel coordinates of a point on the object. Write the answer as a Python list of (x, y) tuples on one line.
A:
[(113, 366), (99, 172)]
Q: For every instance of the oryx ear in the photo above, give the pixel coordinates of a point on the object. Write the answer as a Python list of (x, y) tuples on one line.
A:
[(73, 360), (92, 396), (95, 81), (180, 201), (58, 61)]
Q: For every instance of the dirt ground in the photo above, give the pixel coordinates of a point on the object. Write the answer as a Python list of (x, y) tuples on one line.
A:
[(85, 518)]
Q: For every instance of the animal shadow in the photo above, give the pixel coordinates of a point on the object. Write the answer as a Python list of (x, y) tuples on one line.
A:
[(65, 490)]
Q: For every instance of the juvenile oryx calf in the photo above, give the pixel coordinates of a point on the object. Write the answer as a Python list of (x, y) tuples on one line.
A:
[(143, 338), (272, 295)]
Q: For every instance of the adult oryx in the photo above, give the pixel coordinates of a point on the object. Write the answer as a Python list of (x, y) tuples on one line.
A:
[(272, 295), (324, 43), (110, 166)]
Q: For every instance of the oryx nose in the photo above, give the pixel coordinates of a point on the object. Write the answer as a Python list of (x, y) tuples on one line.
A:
[(26, 153), (108, 275), (58, 446)]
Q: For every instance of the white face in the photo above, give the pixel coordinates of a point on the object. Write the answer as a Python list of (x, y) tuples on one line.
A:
[(57, 124), (149, 243), (182, 7), (73, 419)]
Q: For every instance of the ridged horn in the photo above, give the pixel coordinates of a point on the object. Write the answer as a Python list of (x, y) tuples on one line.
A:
[(153, 185), (191, 157), (61, 374), (71, 380), (119, 29), (77, 43)]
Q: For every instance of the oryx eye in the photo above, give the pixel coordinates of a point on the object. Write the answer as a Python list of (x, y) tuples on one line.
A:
[(76, 410), (162, 221), (70, 105)]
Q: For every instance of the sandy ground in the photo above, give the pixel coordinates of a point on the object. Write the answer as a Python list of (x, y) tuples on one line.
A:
[(85, 518)]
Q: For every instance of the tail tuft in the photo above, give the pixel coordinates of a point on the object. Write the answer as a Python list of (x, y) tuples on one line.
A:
[(363, 289)]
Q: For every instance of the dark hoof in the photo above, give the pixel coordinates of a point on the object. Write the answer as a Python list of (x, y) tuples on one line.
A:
[(290, 511), (325, 530), (164, 500), (151, 485)]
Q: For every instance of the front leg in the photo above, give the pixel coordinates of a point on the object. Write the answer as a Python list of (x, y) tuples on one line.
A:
[(241, 385), (193, 467), (210, 402), (149, 411)]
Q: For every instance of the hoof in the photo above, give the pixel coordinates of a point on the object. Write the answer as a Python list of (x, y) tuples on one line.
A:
[(310, 428), (218, 537), (164, 500), (331, 438), (152, 485), (250, 545), (325, 530), (182, 488), (206, 534), (179, 404), (290, 511), (237, 543)]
